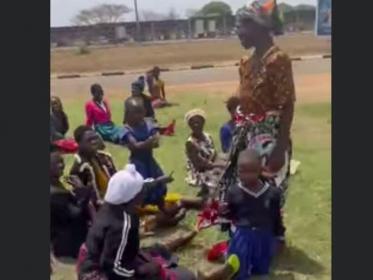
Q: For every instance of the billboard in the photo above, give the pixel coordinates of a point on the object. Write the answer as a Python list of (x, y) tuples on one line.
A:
[(324, 18)]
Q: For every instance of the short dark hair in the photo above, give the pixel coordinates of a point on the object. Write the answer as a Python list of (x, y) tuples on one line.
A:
[(95, 87), (79, 132), (232, 103)]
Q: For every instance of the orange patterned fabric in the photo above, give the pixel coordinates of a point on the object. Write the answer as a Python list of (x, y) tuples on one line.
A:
[(269, 86)]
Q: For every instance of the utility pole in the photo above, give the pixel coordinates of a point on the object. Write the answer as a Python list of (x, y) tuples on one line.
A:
[(137, 22)]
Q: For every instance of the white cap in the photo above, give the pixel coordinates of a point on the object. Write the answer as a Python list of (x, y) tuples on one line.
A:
[(124, 185)]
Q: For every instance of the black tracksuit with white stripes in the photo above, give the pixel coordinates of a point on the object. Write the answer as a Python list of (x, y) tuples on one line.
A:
[(113, 244)]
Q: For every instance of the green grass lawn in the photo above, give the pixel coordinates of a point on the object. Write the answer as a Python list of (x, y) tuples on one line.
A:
[(308, 209)]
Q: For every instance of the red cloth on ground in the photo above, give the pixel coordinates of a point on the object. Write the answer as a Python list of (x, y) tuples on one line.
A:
[(217, 251), (208, 216), (67, 146)]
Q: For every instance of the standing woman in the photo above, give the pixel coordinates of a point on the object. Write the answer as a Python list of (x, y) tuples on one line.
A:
[(267, 95), (98, 115)]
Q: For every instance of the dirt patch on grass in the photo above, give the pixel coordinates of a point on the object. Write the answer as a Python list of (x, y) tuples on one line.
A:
[(193, 52)]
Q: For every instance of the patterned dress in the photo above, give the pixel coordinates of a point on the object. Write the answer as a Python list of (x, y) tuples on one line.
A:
[(264, 91), (207, 178)]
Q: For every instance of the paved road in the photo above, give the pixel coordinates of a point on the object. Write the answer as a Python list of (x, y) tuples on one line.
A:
[(227, 74)]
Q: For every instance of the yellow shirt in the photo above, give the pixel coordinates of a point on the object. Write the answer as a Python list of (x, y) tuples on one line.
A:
[(102, 178)]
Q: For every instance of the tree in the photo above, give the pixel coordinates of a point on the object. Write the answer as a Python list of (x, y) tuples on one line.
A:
[(191, 12), (216, 7), (172, 14), (104, 13)]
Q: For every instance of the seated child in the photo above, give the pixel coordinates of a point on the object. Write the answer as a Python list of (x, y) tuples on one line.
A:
[(113, 250), (253, 206), (93, 166), (70, 212), (137, 91), (204, 166), (226, 131), (141, 137)]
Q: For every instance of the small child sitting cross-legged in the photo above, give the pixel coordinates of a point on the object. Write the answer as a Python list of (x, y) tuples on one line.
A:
[(253, 206)]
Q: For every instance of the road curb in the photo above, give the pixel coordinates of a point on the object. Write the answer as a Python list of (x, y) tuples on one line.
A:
[(72, 76), (119, 73), (180, 68)]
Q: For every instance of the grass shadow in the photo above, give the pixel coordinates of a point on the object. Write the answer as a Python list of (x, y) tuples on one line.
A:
[(296, 260)]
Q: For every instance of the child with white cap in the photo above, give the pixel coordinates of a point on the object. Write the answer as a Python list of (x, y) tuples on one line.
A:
[(113, 243)]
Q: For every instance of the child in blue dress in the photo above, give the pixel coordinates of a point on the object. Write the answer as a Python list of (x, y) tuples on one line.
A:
[(253, 206), (141, 137), (226, 131)]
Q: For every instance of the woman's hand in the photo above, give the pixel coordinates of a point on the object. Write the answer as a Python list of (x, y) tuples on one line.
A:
[(223, 209), (276, 160)]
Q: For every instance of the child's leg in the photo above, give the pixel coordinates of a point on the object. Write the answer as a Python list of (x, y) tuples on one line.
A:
[(224, 272), (192, 203), (176, 241), (164, 220)]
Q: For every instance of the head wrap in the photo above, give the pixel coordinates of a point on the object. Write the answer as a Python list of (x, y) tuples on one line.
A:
[(263, 12), (124, 186), (194, 113)]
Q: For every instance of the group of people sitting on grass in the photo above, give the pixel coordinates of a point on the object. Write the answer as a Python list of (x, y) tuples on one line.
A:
[(100, 213)]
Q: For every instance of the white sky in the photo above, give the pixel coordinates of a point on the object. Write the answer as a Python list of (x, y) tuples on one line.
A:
[(62, 11)]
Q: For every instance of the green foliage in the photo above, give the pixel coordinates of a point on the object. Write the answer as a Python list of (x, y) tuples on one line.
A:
[(216, 7)]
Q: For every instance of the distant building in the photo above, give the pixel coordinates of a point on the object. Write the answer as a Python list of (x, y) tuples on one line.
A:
[(209, 26), (195, 27)]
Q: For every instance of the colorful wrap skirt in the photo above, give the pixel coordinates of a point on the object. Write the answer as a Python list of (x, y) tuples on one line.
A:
[(258, 132), (109, 132)]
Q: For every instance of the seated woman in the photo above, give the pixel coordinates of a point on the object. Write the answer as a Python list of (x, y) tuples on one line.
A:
[(156, 88), (113, 244), (59, 125), (59, 118), (204, 166), (70, 212), (93, 166), (226, 131), (98, 115)]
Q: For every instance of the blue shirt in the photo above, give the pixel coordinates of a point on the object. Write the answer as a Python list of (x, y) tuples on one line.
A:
[(226, 134)]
